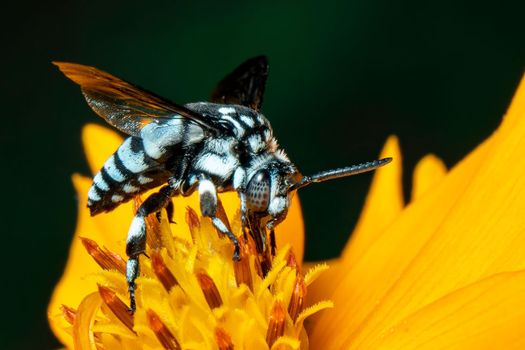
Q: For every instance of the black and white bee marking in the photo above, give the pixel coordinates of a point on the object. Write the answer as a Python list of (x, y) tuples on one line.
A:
[(209, 147)]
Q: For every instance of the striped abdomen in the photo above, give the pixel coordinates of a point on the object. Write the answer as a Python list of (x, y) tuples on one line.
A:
[(128, 172)]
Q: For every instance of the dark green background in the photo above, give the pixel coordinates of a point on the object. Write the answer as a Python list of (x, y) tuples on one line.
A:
[(344, 75)]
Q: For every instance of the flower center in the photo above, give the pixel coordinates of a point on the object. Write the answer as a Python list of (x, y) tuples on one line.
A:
[(190, 294)]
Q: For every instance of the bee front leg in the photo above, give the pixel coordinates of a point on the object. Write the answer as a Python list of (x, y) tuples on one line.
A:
[(208, 202), (244, 213), (239, 184), (136, 241), (271, 227), (273, 243)]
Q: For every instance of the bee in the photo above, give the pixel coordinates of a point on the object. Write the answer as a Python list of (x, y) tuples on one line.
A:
[(225, 144)]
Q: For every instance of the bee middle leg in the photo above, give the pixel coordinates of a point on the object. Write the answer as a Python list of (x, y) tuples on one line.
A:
[(136, 241), (208, 203)]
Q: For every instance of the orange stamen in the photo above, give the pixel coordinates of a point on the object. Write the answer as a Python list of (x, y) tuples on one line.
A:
[(241, 268), (291, 261), (116, 259), (161, 271), (117, 306), (251, 250), (162, 332), (266, 262), (192, 219), (276, 323), (69, 313), (211, 293), (104, 258), (298, 298), (224, 341)]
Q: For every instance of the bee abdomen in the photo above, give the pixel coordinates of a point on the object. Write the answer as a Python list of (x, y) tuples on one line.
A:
[(127, 173)]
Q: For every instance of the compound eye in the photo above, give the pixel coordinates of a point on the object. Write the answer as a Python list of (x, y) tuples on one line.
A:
[(258, 192)]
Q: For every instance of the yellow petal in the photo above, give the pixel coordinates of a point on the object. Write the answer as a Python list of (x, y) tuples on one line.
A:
[(481, 236), (488, 314), (99, 143), (427, 174), (468, 227)]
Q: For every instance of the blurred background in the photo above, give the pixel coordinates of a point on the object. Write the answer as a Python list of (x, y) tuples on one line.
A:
[(343, 76)]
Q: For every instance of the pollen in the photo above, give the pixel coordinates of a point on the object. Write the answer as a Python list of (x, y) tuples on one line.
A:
[(191, 294)]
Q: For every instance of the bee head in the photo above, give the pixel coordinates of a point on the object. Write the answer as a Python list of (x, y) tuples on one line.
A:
[(268, 190), (272, 183)]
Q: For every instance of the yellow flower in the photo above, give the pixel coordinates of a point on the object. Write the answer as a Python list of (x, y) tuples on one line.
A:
[(445, 271), (190, 293)]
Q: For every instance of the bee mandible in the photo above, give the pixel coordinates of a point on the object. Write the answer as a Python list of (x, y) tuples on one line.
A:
[(223, 145)]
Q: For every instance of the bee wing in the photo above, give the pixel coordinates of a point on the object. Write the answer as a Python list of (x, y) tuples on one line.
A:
[(125, 106), (245, 85)]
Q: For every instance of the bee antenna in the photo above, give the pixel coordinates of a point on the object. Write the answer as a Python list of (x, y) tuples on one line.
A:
[(340, 172)]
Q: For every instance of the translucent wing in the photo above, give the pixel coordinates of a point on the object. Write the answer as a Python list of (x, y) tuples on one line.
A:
[(245, 85), (125, 106)]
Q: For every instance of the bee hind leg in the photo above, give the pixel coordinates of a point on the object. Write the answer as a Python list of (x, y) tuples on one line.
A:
[(208, 203), (136, 241)]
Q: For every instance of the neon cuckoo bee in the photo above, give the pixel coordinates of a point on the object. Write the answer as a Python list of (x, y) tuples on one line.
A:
[(222, 145)]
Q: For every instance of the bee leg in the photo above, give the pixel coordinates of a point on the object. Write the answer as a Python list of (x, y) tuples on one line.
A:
[(244, 214), (170, 211), (208, 202), (136, 241), (273, 244), (270, 225)]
